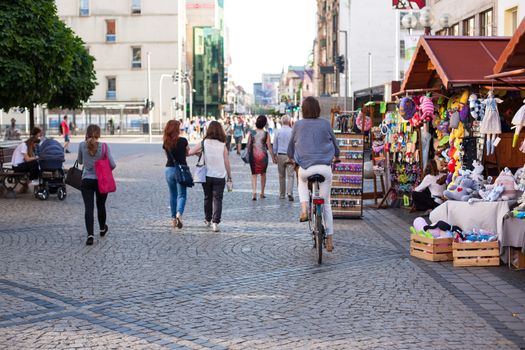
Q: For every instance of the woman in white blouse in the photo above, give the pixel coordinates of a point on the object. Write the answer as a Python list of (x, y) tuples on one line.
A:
[(217, 169)]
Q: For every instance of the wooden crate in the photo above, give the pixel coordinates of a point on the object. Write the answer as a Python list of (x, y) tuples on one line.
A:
[(476, 254), (517, 258), (431, 249)]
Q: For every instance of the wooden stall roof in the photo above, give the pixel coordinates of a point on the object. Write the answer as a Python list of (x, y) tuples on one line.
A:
[(513, 56), (449, 61)]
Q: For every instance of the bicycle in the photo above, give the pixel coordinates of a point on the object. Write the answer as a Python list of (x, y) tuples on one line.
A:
[(315, 215)]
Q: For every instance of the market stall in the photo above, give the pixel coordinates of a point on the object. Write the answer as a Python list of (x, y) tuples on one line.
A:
[(452, 111)]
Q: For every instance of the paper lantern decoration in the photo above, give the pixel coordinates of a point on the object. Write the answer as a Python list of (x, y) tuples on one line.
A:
[(407, 108)]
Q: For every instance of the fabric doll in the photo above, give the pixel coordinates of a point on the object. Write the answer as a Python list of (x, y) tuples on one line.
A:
[(519, 122), (491, 123)]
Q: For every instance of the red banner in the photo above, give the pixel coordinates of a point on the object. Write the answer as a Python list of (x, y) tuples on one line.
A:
[(408, 4)]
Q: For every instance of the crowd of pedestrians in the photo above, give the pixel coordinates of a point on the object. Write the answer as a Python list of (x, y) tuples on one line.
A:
[(300, 148)]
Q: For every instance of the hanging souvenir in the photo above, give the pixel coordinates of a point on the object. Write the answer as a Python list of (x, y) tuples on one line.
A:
[(519, 122), (407, 108), (427, 109)]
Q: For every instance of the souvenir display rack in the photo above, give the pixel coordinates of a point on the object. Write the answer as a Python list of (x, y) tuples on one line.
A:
[(347, 182)]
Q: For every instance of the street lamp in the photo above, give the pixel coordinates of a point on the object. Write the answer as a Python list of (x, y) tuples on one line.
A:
[(426, 19), (409, 21), (345, 66), (444, 22)]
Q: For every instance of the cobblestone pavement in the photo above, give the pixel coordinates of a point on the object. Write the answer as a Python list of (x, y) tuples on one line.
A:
[(254, 285)]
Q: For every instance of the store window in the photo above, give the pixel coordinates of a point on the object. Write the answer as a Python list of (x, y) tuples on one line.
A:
[(136, 57), (454, 30), (511, 21), (84, 7), (111, 92), (485, 23), (468, 27), (111, 31), (135, 7)]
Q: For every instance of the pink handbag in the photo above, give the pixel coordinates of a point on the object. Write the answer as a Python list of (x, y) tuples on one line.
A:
[(106, 182)]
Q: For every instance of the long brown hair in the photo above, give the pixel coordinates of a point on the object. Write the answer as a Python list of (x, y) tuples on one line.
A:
[(215, 132), (92, 136), (171, 134), (31, 141)]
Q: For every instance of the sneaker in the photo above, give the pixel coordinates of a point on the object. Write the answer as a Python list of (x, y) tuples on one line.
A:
[(207, 223), (329, 243), (215, 227), (290, 198), (90, 240), (104, 231)]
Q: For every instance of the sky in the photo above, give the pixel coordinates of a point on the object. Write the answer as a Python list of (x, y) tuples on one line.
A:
[(267, 35)]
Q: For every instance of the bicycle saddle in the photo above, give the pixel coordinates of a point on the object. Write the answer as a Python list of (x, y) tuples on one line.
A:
[(316, 178)]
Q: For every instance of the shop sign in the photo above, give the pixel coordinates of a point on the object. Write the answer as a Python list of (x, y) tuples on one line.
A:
[(408, 4)]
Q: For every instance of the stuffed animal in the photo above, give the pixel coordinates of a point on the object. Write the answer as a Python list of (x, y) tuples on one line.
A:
[(407, 108), (491, 195), (521, 187), (426, 109), (475, 107), (463, 191), (506, 179)]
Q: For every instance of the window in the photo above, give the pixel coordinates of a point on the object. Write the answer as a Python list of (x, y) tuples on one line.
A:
[(454, 30), (84, 7), (111, 93), (485, 23), (135, 7), (111, 34), (511, 21), (402, 51), (136, 57), (468, 27), (441, 32)]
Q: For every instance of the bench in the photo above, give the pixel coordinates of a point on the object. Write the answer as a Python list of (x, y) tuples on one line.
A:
[(9, 178)]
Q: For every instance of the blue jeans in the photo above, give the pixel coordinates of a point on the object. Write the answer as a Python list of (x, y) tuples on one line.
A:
[(177, 193)]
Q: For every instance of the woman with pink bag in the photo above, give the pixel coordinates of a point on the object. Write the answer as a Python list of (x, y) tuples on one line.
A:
[(97, 179)]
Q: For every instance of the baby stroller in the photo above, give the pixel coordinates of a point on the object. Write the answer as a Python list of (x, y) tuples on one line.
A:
[(52, 175)]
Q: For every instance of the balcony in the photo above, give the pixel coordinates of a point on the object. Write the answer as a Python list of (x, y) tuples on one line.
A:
[(84, 12), (111, 38), (111, 95)]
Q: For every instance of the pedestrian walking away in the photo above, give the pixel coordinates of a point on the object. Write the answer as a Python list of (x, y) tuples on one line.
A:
[(89, 151), (218, 168), (238, 133), (228, 130), (313, 147), (260, 144), (176, 149), (286, 171), (66, 132)]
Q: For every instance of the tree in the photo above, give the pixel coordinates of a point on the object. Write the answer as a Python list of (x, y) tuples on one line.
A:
[(39, 56)]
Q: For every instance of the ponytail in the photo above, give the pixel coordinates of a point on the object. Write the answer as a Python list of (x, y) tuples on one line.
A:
[(92, 136)]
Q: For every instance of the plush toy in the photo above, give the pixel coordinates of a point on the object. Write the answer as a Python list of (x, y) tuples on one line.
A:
[(521, 187), (426, 109), (508, 181), (519, 122), (475, 107), (463, 191), (446, 229), (491, 195), (491, 123)]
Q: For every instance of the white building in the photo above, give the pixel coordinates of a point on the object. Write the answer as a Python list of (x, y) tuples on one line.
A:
[(510, 13), (119, 34)]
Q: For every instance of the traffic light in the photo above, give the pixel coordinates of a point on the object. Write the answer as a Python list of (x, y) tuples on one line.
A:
[(340, 63)]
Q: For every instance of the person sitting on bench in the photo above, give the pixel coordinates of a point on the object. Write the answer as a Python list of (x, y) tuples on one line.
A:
[(24, 158)]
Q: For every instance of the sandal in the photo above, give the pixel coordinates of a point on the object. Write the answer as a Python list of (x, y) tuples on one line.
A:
[(179, 222), (254, 197), (303, 217), (262, 195)]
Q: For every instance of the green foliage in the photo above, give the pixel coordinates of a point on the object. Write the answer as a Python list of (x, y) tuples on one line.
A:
[(41, 59)]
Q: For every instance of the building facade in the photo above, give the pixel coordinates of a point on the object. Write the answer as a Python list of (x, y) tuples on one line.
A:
[(509, 15), (206, 56), (119, 34), (464, 18)]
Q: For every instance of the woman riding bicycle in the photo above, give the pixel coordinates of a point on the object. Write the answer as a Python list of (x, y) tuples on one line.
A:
[(313, 147)]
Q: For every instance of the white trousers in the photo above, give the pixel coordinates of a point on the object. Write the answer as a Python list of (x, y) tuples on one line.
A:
[(324, 191)]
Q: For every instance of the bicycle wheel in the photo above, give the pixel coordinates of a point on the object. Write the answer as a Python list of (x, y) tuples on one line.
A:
[(319, 237)]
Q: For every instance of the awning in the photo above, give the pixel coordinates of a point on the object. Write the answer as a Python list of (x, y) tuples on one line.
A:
[(513, 56), (441, 61)]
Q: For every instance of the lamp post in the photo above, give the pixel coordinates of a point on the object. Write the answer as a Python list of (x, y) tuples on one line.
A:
[(160, 95), (426, 19), (150, 115), (345, 32), (444, 22)]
